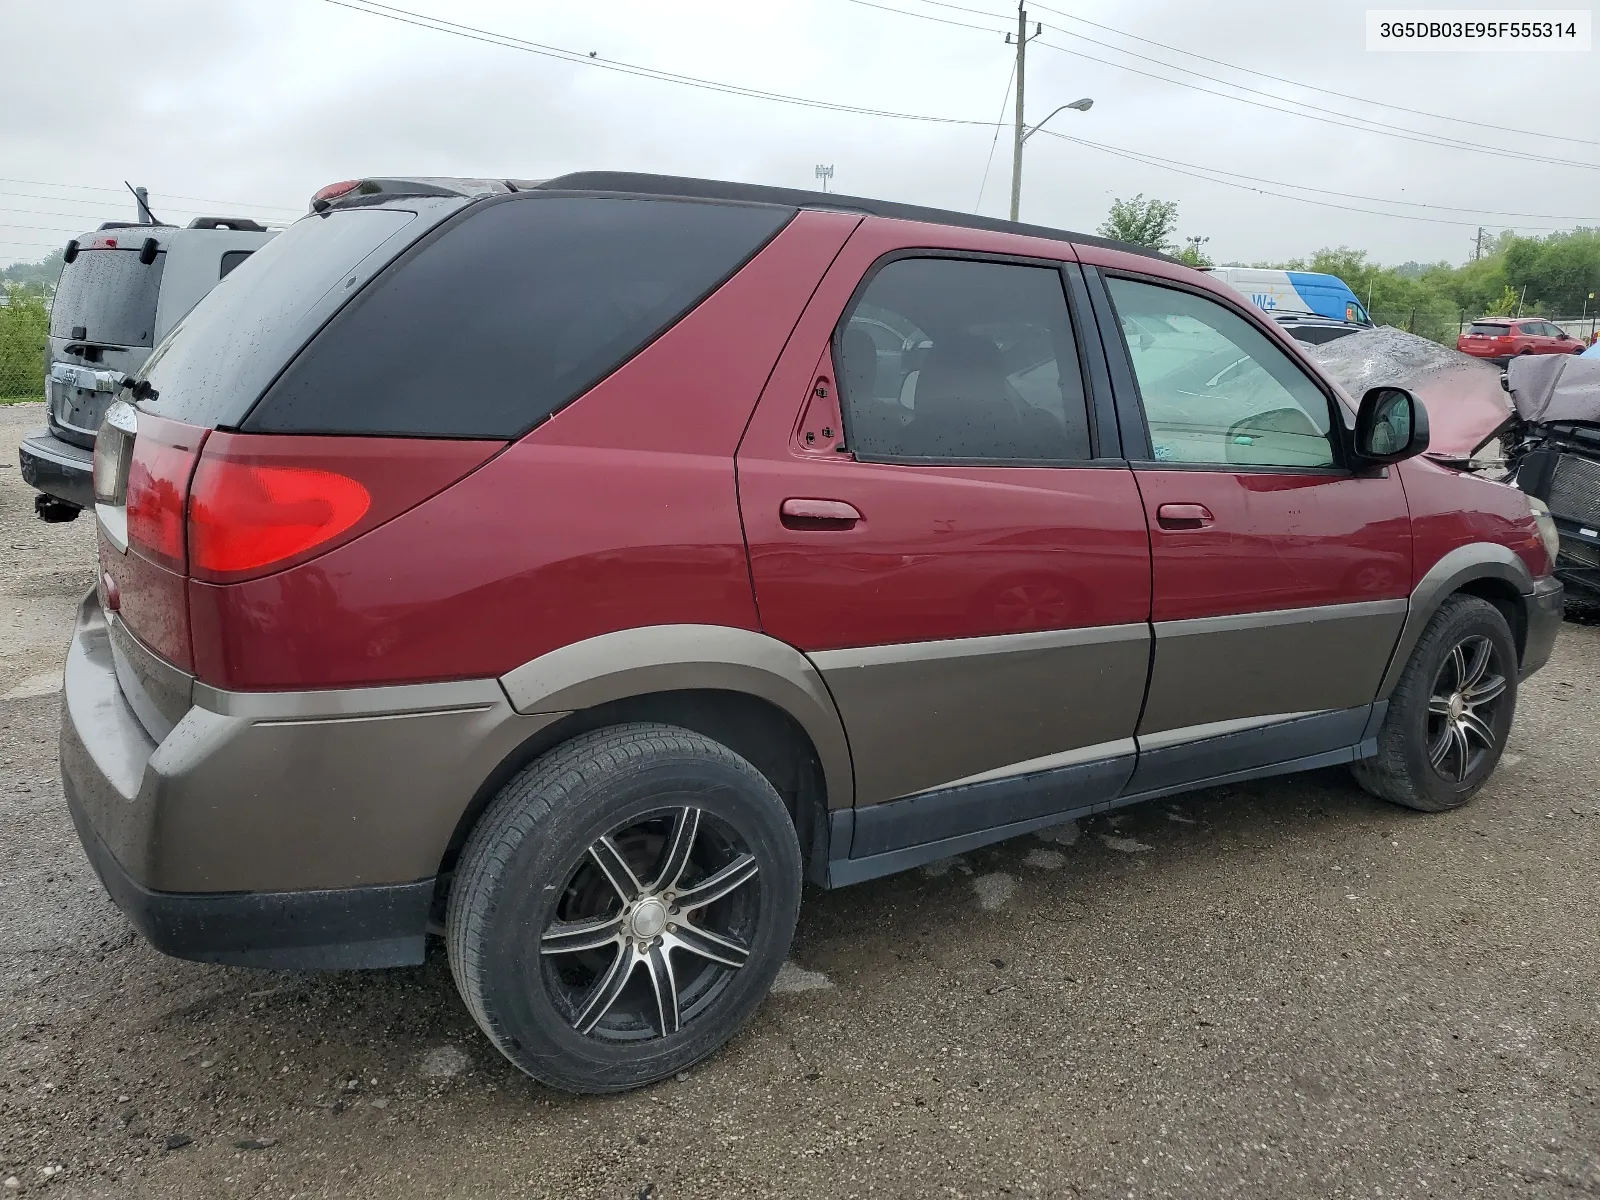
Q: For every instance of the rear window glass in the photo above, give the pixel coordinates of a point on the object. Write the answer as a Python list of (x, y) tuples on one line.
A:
[(230, 345), (111, 294), (1489, 329), (511, 313)]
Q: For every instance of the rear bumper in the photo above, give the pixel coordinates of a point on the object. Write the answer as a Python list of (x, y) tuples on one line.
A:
[(58, 468), (333, 929), (288, 829), (1544, 608)]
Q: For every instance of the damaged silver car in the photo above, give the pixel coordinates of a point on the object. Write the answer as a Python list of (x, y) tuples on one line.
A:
[(1551, 442)]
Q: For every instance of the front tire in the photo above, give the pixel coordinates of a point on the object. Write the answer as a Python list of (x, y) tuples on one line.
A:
[(623, 906), (1450, 713)]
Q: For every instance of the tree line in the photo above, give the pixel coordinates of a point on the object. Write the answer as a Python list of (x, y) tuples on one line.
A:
[(1557, 275)]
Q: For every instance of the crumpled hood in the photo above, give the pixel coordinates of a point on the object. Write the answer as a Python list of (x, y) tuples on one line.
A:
[(1465, 402), (1555, 387)]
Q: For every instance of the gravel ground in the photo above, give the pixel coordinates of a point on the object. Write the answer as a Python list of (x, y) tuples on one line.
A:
[(1281, 989)]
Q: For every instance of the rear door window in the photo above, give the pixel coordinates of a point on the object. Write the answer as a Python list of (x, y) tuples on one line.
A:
[(111, 295), (511, 313), (948, 359)]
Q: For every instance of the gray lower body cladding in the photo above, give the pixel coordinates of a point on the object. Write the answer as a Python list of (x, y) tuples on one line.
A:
[(884, 838), (271, 813)]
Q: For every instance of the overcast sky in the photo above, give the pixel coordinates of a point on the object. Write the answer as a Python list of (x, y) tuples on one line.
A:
[(263, 101)]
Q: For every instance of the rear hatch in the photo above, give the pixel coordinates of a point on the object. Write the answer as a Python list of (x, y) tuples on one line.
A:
[(318, 392), (102, 325), (219, 358), (1487, 338)]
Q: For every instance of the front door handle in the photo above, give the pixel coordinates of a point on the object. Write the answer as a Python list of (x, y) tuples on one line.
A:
[(818, 514), (1184, 516)]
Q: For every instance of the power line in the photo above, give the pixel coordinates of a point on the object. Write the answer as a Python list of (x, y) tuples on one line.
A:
[(930, 17), (1366, 124), (388, 12), (1299, 187), (1151, 160), (1310, 87), (45, 228), (102, 205), (372, 8), (989, 162), (84, 187)]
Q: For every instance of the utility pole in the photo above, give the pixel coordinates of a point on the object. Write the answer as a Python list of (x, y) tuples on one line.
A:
[(1477, 249), (1018, 131)]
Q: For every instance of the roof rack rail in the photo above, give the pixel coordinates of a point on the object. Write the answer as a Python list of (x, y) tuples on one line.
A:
[(240, 224)]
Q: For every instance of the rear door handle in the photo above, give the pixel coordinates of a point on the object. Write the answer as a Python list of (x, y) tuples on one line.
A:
[(1184, 516), (818, 514)]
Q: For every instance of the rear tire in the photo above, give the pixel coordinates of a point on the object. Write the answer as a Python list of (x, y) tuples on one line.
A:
[(573, 932), (1450, 713)]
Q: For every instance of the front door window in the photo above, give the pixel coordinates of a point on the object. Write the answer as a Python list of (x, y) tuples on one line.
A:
[(1215, 388)]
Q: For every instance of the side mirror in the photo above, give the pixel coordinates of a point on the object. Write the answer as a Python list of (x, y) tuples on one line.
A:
[(1391, 425)]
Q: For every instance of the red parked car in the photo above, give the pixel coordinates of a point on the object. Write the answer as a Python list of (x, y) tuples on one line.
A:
[(573, 568), (1503, 338)]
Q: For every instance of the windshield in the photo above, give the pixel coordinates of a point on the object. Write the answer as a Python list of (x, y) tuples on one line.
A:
[(110, 295), (221, 356)]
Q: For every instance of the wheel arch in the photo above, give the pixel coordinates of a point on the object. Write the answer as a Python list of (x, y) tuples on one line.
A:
[(761, 698), (1487, 570)]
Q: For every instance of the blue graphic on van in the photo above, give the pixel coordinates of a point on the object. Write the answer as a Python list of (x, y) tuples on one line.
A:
[(1284, 293), (1328, 296)]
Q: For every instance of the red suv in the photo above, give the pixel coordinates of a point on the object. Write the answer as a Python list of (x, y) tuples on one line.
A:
[(1503, 338), (574, 568)]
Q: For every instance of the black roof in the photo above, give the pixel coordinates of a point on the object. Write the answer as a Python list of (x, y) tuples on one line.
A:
[(630, 183), (712, 189)]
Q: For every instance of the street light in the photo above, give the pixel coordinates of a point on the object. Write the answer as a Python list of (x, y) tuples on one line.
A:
[(824, 173), (1083, 105), (1026, 132)]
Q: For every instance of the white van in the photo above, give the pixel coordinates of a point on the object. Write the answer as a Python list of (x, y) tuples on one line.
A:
[(1311, 306), (122, 288)]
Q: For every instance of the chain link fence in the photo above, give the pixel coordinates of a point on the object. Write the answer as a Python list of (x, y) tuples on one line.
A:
[(24, 323)]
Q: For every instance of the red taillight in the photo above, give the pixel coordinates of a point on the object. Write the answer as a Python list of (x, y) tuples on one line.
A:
[(158, 487), (334, 190), (263, 503), (246, 516)]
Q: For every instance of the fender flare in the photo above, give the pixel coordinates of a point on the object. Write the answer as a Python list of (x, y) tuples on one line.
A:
[(1461, 566), (670, 658)]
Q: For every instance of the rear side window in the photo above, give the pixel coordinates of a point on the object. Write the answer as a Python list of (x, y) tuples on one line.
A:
[(511, 313), (111, 295), (231, 259), (950, 359)]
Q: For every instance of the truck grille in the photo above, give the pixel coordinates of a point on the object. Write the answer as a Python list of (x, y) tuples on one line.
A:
[(1575, 491)]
